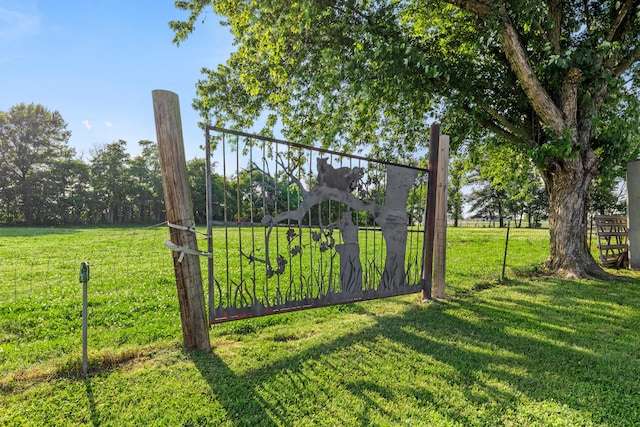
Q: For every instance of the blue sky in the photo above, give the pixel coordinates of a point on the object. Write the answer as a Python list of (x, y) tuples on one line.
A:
[(96, 62)]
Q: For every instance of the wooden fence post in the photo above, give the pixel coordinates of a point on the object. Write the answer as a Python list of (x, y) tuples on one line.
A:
[(427, 255), (633, 213), (179, 207), (440, 235)]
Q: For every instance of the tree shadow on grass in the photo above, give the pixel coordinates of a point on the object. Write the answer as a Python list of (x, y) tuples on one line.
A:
[(570, 350), (246, 407), (495, 354), (236, 394)]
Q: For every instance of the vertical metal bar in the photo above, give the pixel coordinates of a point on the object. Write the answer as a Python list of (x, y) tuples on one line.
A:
[(226, 219), (411, 253), (209, 195), (366, 234), (287, 182), (264, 213), (373, 226), (362, 250), (252, 218), (423, 223), (330, 161), (276, 191), (238, 197), (321, 225), (85, 328), (84, 278), (299, 168), (376, 235), (310, 220)]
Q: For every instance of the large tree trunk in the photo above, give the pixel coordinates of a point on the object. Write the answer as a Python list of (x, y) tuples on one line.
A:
[(567, 182), (567, 179)]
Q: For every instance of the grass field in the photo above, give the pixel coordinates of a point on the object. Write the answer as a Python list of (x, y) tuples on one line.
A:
[(533, 350)]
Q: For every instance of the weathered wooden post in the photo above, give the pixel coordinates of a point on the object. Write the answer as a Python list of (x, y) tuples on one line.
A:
[(427, 253), (179, 207), (633, 213), (440, 235)]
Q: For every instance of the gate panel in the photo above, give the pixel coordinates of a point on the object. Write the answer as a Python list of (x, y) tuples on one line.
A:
[(294, 227)]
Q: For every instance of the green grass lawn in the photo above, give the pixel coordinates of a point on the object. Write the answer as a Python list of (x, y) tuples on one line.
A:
[(533, 350)]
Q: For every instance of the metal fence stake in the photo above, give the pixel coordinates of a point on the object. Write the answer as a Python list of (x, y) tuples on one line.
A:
[(506, 245), (84, 278)]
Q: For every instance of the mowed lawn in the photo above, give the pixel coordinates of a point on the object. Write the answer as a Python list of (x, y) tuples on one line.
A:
[(530, 351)]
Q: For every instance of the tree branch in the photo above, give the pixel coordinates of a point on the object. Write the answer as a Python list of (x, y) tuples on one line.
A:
[(503, 121), (507, 136), (292, 177), (619, 19), (495, 128), (587, 15), (569, 97), (541, 101), (315, 196), (479, 7), (555, 14), (594, 99), (626, 62)]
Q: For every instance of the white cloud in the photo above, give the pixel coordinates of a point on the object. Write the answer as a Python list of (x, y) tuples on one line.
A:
[(87, 124), (108, 124), (16, 25)]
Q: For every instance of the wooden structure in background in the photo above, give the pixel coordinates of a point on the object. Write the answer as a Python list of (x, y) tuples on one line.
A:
[(613, 235), (633, 211)]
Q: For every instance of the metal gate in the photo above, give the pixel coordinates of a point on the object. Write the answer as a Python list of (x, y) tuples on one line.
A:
[(292, 227)]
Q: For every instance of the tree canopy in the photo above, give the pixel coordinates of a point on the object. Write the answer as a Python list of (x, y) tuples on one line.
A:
[(33, 146), (547, 77)]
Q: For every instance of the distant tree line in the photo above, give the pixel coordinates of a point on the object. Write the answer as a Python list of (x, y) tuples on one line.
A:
[(44, 183), (496, 184)]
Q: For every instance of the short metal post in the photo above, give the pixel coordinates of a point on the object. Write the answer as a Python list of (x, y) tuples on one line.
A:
[(84, 278), (506, 245)]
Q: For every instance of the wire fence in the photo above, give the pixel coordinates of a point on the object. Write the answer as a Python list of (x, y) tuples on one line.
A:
[(484, 223), (131, 291), (35, 263)]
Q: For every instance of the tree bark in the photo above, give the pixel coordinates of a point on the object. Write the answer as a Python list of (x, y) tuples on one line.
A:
[(567, 182), (566, 179)]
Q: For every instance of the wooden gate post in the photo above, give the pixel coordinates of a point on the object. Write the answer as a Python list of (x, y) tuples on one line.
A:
[(633, 213), (179, 207), (440, 236), (429, 231)]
